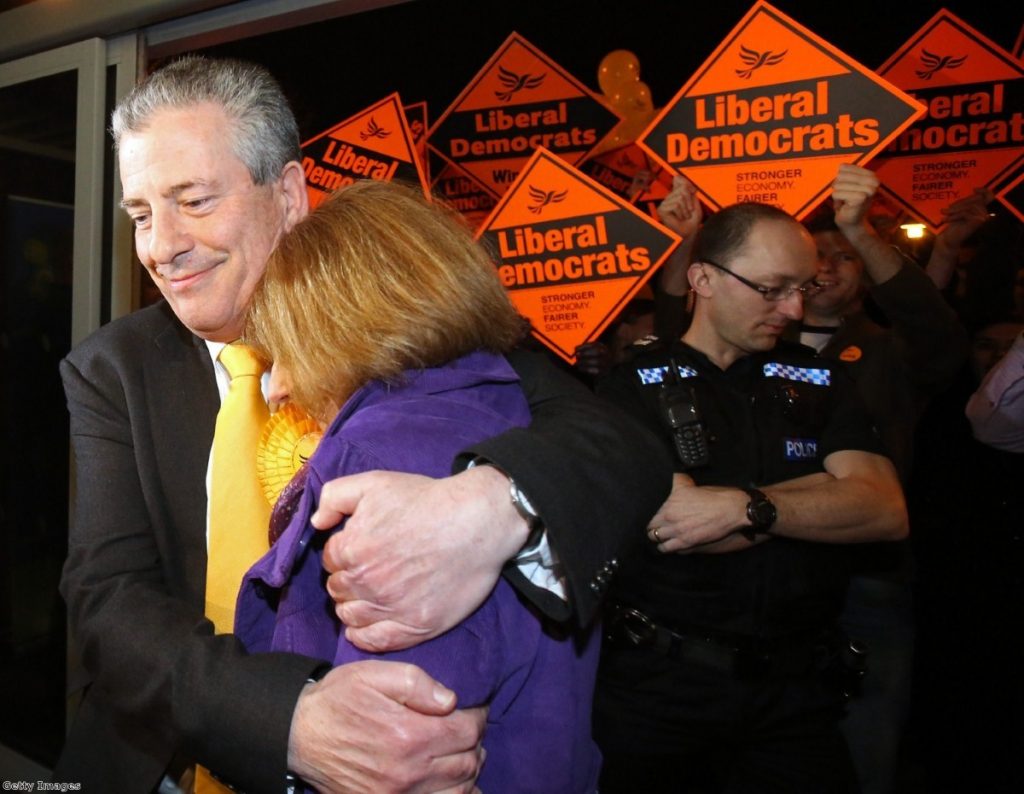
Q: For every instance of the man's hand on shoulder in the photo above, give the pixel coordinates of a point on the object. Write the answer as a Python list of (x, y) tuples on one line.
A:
[(384, 727), (417, 555)]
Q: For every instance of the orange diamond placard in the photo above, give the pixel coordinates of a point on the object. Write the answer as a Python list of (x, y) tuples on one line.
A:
[(1007, 185), (624, 171), (771, 115), (417, 117), (656, 188), (520, 101), (973, 133), (570, 252), (464, 194), (376, 143), (1013, 196), (633, 174)]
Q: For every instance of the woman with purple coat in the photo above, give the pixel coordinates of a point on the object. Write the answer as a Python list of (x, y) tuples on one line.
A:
[(386, 323)]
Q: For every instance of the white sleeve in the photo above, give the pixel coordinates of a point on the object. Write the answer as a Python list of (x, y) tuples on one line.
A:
[(540, 566), (996, 409)]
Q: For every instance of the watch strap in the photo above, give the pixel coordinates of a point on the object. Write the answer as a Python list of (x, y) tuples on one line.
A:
[(760, 512), (521, 503)]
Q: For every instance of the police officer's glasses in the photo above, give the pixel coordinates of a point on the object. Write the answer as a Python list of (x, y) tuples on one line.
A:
[(772, 294)]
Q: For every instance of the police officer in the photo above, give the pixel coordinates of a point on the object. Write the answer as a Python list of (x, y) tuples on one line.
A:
[(722, 641)]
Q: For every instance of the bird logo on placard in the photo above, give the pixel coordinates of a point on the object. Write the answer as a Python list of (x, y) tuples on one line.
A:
[(545, 197), (374, 130), (755, 60), (625, 162), (935, 63), (515, 83)]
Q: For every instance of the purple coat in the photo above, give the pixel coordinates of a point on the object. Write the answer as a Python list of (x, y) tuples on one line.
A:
[(537, 677)]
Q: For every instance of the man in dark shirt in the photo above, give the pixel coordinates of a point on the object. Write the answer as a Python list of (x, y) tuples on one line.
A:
[(897, 367), (723, 637)]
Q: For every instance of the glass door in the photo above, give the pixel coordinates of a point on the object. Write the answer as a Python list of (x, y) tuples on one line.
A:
[(52, 108)]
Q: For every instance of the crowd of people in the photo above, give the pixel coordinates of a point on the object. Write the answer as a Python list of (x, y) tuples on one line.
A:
[(687, 570)]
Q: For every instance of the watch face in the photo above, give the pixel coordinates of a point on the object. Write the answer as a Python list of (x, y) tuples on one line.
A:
[(765, 513), (761, 511)]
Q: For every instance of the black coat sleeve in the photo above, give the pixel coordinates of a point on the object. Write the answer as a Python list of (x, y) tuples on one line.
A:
[(933, 343), (593, 474)]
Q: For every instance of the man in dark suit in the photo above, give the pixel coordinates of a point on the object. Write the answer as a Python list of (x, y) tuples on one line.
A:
[(208, 154)]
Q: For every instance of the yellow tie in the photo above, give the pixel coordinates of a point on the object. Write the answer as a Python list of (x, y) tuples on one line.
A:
[(239, 512)]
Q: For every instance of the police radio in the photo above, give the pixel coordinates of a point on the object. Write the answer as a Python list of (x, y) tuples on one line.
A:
[(677, 402)]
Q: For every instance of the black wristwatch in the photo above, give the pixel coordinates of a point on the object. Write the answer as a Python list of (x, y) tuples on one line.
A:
[(761, 513)]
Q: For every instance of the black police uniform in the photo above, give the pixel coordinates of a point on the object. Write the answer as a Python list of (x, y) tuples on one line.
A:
[(717, 672)]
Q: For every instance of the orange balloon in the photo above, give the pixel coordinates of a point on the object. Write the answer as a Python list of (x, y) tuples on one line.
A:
[(619, 99), (631, 127), (635, 99), (632, 102), (616, 68)]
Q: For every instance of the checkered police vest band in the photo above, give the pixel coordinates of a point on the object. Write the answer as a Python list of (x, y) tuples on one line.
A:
[(649, 375), (819, 377)]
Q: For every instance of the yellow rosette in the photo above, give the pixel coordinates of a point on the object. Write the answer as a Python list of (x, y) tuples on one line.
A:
[(289, 438)]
